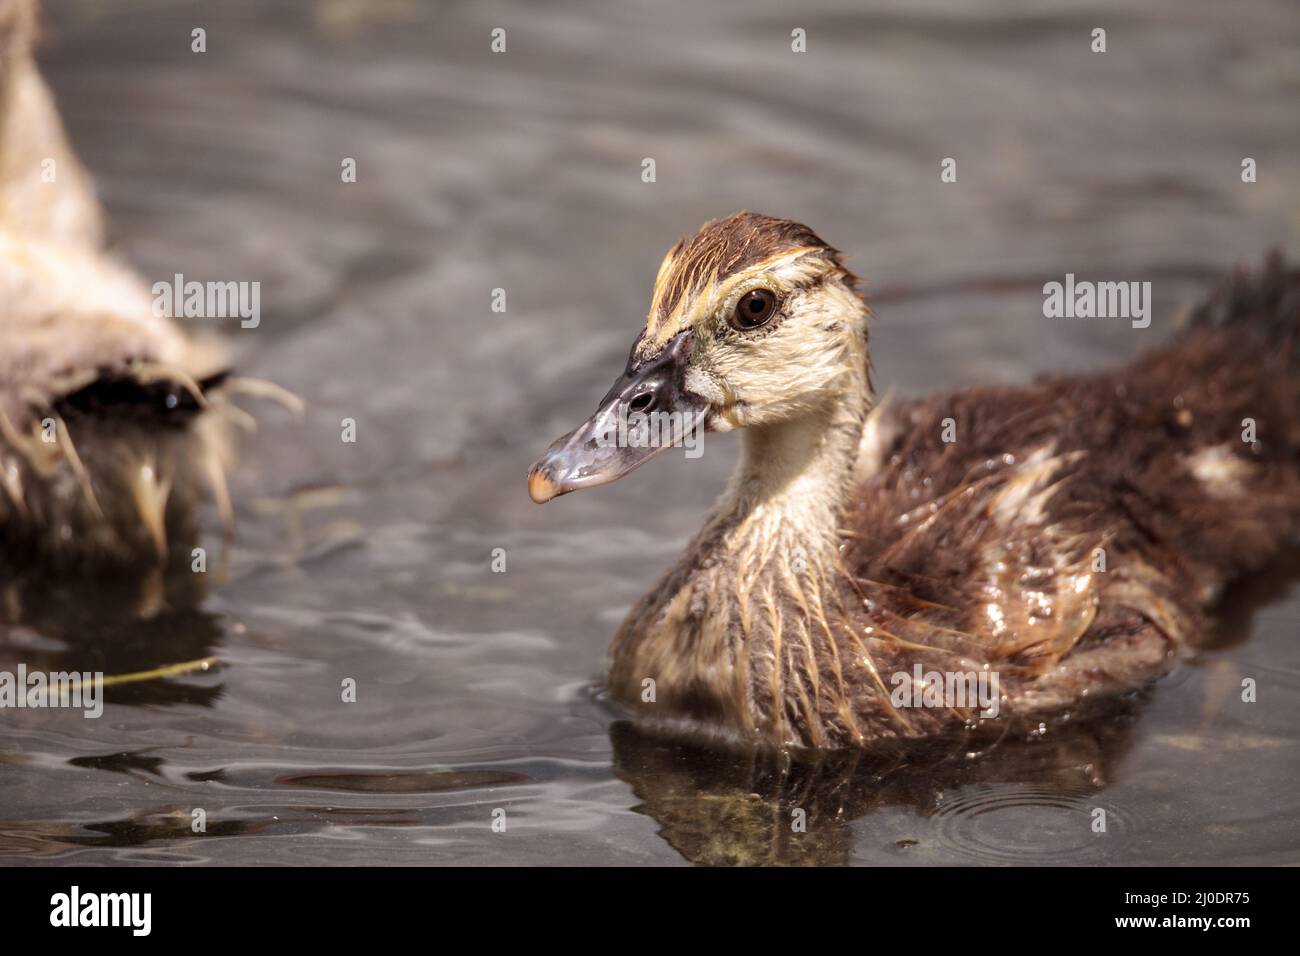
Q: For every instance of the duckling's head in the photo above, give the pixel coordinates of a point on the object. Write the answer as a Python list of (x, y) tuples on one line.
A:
[(754, 321)]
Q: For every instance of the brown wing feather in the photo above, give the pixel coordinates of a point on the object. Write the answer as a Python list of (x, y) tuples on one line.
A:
[(1075, 531)]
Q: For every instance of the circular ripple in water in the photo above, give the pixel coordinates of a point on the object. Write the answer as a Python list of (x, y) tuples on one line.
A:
[(1026, 823)]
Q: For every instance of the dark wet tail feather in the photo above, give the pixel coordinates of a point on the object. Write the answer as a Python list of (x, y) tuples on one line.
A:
[(1263, 301), (1237, 371)]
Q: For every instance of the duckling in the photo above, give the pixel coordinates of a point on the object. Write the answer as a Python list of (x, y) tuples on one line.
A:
[(109, 422), (1070, 540)]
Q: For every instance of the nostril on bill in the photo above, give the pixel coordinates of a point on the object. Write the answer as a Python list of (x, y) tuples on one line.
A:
[(642, 402)]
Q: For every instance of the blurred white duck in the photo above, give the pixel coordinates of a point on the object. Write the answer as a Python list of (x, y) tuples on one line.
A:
[(111, 421)]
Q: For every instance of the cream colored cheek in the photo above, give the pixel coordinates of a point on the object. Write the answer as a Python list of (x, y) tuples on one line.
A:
[(702, 384)]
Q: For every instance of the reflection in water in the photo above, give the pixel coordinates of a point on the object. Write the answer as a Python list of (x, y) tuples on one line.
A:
[(135, 762), (176, 824), (46, 839), (742, 809), (173, 826), (419, 781), (121, 624)]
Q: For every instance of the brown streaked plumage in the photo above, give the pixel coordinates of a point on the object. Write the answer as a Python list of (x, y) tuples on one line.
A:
[(741, 241), (1072, 539), (698, 268)]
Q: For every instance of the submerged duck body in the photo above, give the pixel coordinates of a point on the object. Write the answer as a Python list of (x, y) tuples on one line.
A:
[(1065, 540)]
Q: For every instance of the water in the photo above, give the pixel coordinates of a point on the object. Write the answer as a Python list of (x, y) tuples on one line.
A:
[(479, 691)]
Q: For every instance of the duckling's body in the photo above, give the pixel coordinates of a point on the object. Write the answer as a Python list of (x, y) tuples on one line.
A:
[(1069, 536), (106, 434)]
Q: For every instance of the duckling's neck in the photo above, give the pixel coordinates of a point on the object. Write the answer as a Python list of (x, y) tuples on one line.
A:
[(753, 605), (795, 477)]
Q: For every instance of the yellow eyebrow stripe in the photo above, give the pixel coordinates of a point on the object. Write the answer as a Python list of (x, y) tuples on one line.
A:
[(697, 292)]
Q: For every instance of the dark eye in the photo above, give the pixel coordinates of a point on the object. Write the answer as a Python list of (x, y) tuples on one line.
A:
[(754, 309)]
